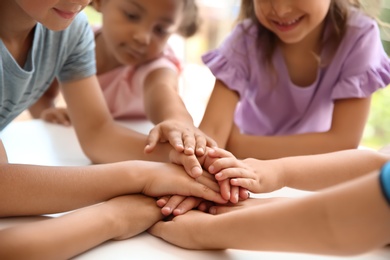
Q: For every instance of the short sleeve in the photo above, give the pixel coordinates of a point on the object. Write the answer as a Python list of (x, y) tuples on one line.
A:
[(230, 62), (79, 62), (366, 66)]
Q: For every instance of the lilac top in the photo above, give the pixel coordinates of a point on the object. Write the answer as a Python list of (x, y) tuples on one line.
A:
[(272, 105)]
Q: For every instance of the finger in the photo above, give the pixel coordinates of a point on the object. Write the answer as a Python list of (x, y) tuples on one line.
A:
[(209, 182), (205, 205), (248, 184), (244, 193), (172, 204), (161, 202), (202, 191), (234, 197), (201, 143), (192, 165), (220, 153), (152, 139), (63, 118), (189, 140), (223, 163), (175, 139), (210, 142), (230, 173), (186, 205), (220, 209), (225, 189)]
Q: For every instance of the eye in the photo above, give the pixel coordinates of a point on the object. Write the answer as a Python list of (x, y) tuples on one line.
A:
[(132, 16), (161, 31)]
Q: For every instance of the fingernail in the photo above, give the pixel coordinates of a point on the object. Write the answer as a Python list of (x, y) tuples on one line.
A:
[(196, 171), (213, 211), (211, 169), (200, 150)]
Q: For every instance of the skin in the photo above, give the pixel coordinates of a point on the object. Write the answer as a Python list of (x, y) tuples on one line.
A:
[(35, 190), (297, 46), (101, 139), (134, 33), (318, 223)]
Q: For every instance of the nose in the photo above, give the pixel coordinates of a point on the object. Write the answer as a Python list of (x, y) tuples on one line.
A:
[(281, 7), (142, 37)]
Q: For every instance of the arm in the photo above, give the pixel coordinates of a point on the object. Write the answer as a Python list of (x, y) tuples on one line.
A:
[(68, 235), (349, 118), (101, 139), (165, 108), (310, 172), (319, 223), (218, 118), (36, 190)]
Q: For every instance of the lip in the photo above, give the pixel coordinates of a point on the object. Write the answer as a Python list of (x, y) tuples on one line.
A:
[(289, 26), (134, 53), (65, 14)]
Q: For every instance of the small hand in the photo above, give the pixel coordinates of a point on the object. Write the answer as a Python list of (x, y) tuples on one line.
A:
[(183, 136), (177, 205), (56, 116), (131, 214)]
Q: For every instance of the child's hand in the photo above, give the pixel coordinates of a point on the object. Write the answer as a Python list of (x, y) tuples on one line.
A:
[(183, 136), (190, 230), (169, 179), (177, 205), (254, 175), (131, 215), (56, 116)]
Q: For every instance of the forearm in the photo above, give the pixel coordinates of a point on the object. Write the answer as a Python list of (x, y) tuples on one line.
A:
[(160, 108), (57, 238), (320, 223), (35, 190), (162, 99), (315, 172), (112, 142), (272, 147)]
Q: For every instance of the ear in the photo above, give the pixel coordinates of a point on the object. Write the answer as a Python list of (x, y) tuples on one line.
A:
[(96, 4)]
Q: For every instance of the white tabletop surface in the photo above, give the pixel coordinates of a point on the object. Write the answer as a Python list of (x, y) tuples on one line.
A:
[(36, 142)]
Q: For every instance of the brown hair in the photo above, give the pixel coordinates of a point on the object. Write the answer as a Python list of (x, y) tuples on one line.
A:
[(337, 15), (191, 21)]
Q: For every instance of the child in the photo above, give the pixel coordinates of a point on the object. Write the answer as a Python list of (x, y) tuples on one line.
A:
[(294, 78), (350, 218), (40, 40), (140, 31), (68, 55)]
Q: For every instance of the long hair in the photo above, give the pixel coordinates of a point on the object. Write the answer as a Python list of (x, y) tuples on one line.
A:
[(337, 15)]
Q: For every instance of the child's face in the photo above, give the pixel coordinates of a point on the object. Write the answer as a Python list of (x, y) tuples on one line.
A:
[(292, 20), (53, 14), (136, 31)]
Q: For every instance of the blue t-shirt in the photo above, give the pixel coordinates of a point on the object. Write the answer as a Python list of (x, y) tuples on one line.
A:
[(384, 179), (66, 55)]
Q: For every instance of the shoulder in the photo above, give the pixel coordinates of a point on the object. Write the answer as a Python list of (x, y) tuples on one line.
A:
[(359, 24), (245, 31)]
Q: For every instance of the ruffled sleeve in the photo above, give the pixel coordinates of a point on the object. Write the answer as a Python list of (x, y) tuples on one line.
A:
[(230, 62), (366, 66)]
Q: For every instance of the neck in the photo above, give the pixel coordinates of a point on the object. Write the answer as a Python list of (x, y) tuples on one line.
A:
[(15, 24), (312, 43), (105, 61)]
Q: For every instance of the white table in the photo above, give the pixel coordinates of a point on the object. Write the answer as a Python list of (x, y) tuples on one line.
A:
[(36, 142)]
